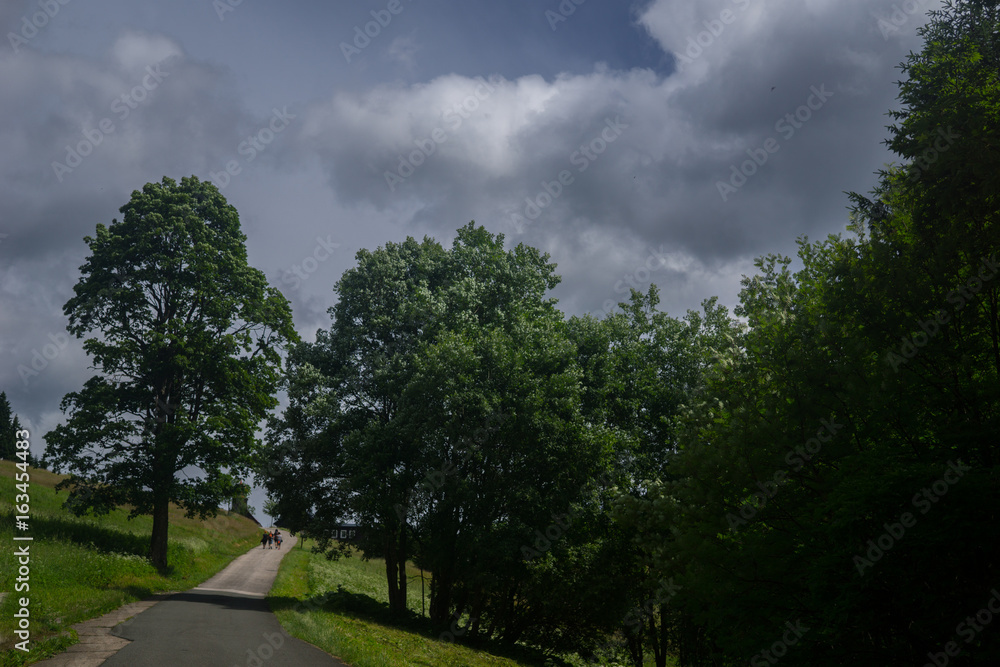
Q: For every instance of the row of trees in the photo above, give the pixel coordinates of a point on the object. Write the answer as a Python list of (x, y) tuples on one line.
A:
[(453, 411), (802, 483), (456, 413), (833, 498)]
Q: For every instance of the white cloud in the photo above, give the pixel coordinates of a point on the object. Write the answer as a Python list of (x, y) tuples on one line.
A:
[(133, 51), (404, 50)]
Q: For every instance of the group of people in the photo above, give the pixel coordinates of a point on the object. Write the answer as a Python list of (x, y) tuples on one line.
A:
[(268, 538)]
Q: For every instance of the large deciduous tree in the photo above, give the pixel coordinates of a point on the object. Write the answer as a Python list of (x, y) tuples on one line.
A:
[(338, 452), (186, 340), (441, 410)]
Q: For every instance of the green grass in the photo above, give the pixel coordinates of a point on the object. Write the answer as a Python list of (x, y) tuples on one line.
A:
[(83, 567), (343, 607)]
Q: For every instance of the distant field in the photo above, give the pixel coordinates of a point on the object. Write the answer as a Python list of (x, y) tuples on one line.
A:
[(85, 567), (348, 616)]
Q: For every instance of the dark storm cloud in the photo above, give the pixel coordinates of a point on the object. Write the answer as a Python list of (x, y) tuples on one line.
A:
[(747, 146), (577, 136), (79, 135)]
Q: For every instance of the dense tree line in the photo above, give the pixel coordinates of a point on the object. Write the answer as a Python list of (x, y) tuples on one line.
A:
[(814, 480), (838, 470)]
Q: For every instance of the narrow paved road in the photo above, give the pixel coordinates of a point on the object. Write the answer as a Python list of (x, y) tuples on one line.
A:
[(225, 622)]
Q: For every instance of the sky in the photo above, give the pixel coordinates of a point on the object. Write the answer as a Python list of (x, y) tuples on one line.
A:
[(655, 141)]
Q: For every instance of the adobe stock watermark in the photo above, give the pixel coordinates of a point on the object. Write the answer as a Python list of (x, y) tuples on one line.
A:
[(265, 650), (656, 260), (923, 500), (968, 629), (381, 18), (786, 126), (553, 533), (566, 9), (299, 273), (900, 16), (40, 359), (223, 7), (456, 631), (779, 649), (253, 145), (123, 106), (434, 480), (453, 118), (796, 459), (560, 525), (931, 154), (910, 347), (37, 21), (698, 44), (636, 618), (582, 158), (256, 657)]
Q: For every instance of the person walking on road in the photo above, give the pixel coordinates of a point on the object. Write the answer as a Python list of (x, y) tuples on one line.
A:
[(263, 540)]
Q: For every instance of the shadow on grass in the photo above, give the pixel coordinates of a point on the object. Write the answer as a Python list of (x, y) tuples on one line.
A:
[(367, 608), (79, 532), (86, 534)]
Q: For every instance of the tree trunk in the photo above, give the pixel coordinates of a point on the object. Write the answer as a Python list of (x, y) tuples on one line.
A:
[(158, 540), (390, 568), (658, 637), (634, 643), (395, 567), (478, 604), (401, 565), (441, 597)]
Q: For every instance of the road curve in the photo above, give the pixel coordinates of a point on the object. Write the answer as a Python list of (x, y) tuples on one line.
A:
[(225, 622)]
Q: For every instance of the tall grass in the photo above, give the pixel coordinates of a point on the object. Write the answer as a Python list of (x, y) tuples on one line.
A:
[(82, 567)]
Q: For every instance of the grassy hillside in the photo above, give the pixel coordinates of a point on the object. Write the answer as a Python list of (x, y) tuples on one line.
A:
[(85, 567), (342, 607)]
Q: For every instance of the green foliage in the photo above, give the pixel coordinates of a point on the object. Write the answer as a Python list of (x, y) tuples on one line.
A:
[(819, 476), (10, 424), (8, 427), (641, 369), (951, 113), (188, 349), (839, 468), (442, 412)]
